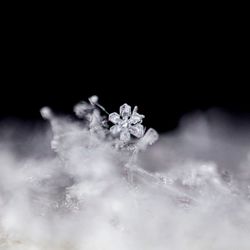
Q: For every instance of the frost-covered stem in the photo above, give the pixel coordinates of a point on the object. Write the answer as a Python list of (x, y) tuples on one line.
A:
[(94, 102), (131, 166)]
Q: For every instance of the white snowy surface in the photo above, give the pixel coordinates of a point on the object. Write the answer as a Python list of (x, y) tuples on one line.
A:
[(189, 191)]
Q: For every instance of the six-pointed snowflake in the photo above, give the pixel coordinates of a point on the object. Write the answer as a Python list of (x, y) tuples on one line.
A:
[(126, 123)]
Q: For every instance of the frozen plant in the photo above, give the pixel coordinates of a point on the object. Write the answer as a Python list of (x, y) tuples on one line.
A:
[(127, 125)]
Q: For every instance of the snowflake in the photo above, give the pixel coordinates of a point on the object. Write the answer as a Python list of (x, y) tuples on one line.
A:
[(126, 124)]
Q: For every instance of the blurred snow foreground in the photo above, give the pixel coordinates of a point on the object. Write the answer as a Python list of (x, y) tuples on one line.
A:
[(106, 188)]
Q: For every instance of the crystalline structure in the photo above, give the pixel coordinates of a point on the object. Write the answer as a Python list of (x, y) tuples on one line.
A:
[(125, 111), (83, 109), (149, 138), (137, 130), (115, 118), (127, 123)]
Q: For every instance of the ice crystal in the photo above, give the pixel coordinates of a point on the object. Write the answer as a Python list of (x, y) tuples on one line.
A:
[(127, 123), (150, 137)]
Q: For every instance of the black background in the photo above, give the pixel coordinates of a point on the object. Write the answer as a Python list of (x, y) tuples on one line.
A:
[(168, 66)]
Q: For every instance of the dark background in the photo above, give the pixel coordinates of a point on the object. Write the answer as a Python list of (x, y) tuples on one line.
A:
[(167, 66)]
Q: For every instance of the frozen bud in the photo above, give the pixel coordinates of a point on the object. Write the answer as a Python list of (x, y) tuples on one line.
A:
[(46, 112), (125, 111), (54, 144), (93, 99), (151, 136), (82, 109)]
